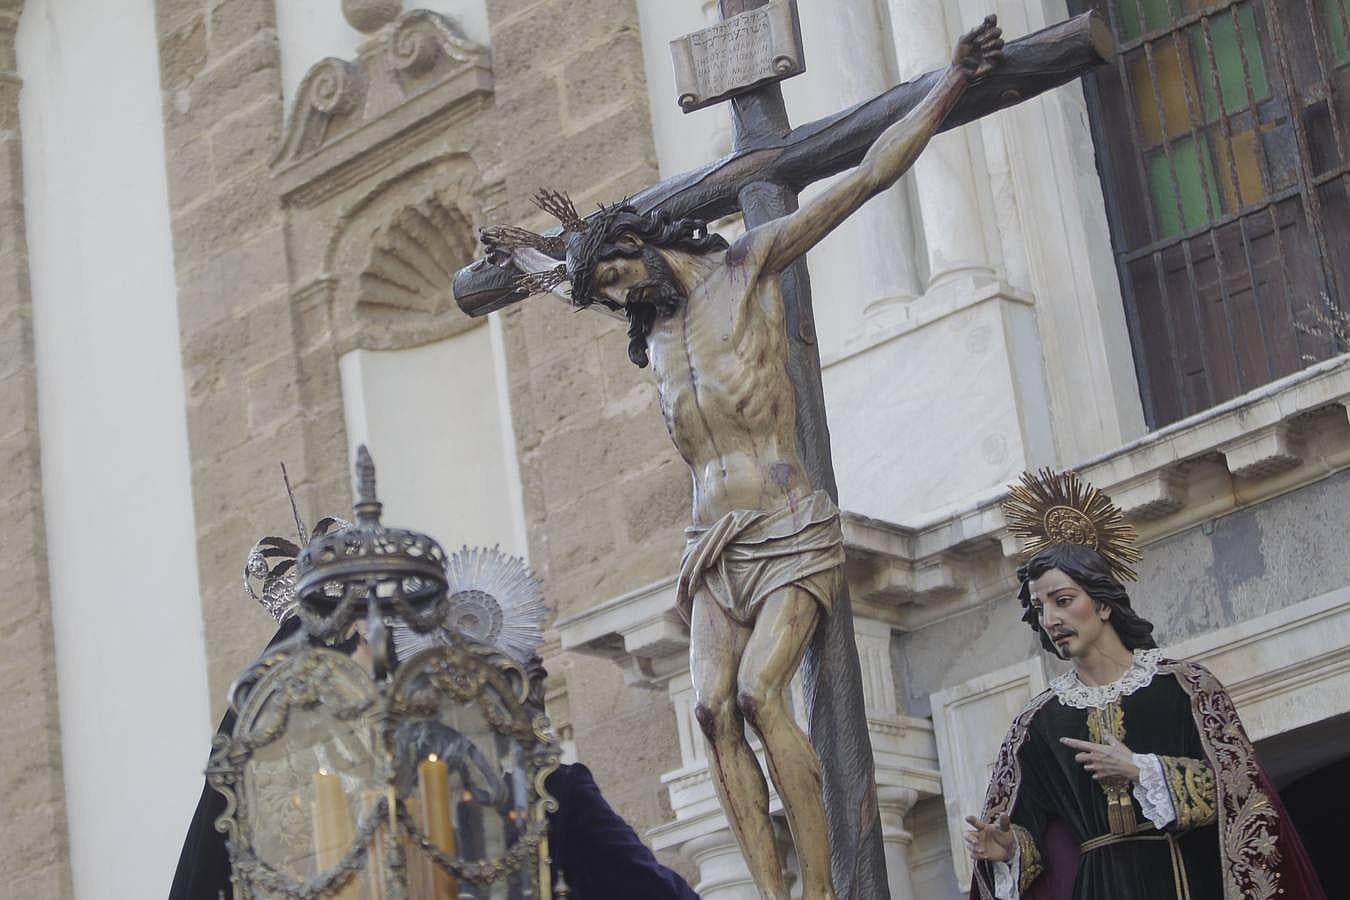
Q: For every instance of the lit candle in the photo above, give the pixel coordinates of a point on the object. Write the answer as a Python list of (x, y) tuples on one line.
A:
[(332, 825), (433, 779)]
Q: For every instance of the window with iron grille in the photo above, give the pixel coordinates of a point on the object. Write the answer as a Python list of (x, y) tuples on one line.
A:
[(1223, 137)]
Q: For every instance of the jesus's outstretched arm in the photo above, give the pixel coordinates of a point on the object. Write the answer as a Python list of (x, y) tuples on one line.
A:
[(783, 240)]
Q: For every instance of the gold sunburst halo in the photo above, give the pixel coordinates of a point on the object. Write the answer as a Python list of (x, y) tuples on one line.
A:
[(1048, 508)]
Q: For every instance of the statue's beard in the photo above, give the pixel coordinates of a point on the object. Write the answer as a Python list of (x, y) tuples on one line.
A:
[(655, 297)]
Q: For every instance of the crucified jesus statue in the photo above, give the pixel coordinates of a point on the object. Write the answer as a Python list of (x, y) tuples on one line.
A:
[(765, 551)]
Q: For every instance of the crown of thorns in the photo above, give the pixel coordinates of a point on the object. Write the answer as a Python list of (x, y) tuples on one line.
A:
[(577, 246), (1048, 508)]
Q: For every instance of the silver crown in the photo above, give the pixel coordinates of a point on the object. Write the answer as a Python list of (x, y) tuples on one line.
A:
[(368, 568)]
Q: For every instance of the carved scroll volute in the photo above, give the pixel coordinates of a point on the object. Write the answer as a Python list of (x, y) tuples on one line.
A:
[(421, 39), (403, 58), (329, 96)]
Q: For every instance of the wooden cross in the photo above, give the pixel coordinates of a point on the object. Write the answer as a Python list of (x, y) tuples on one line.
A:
[(771, 162)]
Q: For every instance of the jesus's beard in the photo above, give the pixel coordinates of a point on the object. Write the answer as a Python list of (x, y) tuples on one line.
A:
[(655, 297)]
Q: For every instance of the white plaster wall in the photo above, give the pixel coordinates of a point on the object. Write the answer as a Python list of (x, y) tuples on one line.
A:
[(846, 62), (918, 422), (437, 422), (683, 141), (310, 30), (1052, 222), (116, 479)]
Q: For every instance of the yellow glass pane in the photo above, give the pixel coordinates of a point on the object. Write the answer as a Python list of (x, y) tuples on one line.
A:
[(1175, 118), (1243, 157)]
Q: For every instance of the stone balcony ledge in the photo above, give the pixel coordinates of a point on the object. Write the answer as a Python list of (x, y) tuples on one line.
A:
[(640, 630), (1289, 433)]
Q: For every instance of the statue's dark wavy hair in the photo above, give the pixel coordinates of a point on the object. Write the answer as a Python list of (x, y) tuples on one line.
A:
[(1087, 567), (655, 229)]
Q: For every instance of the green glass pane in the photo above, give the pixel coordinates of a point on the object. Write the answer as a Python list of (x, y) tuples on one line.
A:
[(1194, 182), (1335, 15), (1155, 15), (1228, 59)]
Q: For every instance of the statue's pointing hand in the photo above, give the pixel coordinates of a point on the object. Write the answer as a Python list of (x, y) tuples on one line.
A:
[(1109, 760), (980, 49)]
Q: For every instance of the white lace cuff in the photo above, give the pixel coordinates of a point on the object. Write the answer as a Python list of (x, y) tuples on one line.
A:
[(1006, 875), (1151, 791)]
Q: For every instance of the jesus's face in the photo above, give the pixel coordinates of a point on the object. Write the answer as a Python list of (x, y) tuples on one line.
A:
[(615, 277), (1069, 616), (637, 274)]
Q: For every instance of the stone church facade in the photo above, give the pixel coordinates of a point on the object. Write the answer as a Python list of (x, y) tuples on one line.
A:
[(232, 226)]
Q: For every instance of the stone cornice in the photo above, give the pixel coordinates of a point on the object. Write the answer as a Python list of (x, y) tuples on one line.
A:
[(412, 80), (640, 630), (1290, 433)]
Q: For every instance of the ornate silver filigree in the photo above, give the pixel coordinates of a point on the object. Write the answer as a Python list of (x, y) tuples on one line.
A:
[(494, 599)]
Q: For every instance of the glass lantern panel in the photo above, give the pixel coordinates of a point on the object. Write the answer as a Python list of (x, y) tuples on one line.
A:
[(309, 791), (468, 790)]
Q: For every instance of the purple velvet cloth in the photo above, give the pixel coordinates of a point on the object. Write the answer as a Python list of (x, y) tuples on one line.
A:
[(598, 853)]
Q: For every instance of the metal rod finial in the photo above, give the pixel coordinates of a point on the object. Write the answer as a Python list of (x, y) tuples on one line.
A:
[(367, 506)]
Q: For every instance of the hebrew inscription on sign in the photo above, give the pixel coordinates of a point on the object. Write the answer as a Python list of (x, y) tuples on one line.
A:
[(737, 55)]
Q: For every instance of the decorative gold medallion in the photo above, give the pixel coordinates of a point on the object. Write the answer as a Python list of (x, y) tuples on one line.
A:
[(1048, 508)]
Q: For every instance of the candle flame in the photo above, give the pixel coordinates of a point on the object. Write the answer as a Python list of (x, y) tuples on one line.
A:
[(432, 757)]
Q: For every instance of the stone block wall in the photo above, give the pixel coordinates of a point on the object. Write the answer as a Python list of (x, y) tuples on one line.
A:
[(34, 844)]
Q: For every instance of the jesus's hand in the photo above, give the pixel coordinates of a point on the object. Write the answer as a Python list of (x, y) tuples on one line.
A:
[(981, 49)]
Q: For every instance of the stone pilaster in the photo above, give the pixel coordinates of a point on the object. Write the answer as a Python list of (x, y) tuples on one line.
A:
[(946, 184), (220, 75), (34, 843)]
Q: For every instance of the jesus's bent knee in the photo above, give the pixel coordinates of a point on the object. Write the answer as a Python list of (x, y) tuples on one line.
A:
[(715, 719)]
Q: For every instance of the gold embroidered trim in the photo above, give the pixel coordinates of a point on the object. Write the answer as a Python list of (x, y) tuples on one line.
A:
[(1247, 821), (1194, 794), (1120, 816), (1031, 864), (1109, 719)]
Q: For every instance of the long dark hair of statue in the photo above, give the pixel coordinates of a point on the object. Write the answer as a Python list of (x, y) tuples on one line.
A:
[(1085, 566), (659, 295)]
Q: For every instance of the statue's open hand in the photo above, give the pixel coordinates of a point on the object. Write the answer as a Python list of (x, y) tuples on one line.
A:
[(992, 840), (980, 49)]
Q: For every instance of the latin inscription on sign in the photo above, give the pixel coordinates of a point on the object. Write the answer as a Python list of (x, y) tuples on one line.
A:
[(745, 51)]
